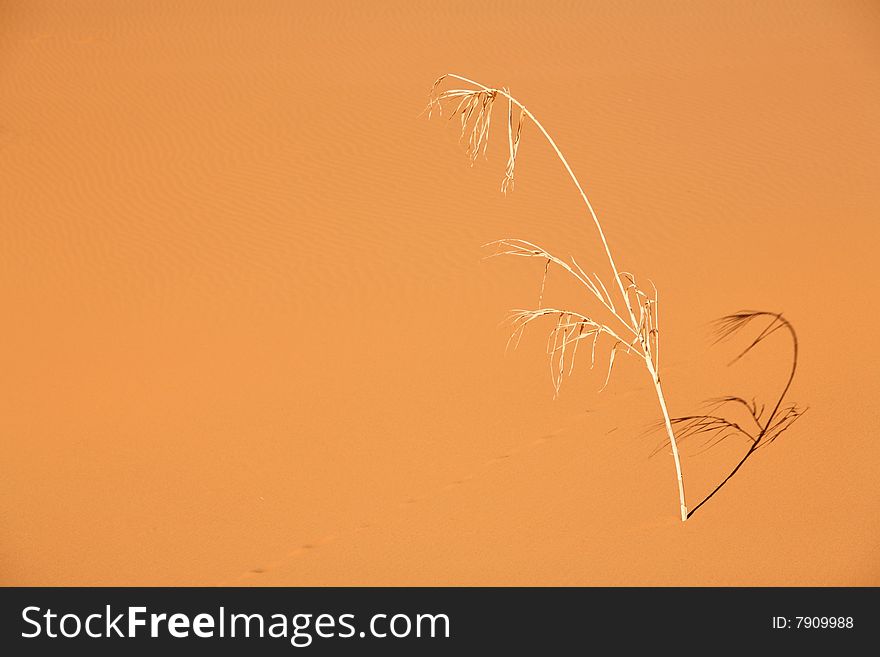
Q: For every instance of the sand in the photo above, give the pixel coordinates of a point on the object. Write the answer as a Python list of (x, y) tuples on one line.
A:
[(249, 336)]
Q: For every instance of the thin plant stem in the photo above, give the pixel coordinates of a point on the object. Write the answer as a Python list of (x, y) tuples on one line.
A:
[(668, 423), (567, 168)]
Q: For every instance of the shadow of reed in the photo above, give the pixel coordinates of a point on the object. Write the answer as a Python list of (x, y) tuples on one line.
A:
[(762, 428)]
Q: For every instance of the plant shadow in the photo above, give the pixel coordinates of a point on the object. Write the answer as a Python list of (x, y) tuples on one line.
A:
[(762, 428)]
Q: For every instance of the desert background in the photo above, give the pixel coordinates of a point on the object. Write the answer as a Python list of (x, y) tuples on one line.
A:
[(249, 336)]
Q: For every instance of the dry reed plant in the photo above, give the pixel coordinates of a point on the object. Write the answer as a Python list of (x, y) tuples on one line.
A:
[(634, 327)]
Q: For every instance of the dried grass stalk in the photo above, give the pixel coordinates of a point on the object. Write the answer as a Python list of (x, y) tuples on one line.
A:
[(635, 325)]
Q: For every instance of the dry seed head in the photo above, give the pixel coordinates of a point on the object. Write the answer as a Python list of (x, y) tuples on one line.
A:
[(474, 109), (513, 138)]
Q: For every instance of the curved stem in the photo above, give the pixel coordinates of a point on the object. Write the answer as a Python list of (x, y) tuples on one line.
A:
[(570, 173)]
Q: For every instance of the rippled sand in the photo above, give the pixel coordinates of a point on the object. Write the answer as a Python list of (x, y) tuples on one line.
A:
[(248, 335)]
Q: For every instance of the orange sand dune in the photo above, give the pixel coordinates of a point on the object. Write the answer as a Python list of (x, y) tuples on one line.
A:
[(249, 336)]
